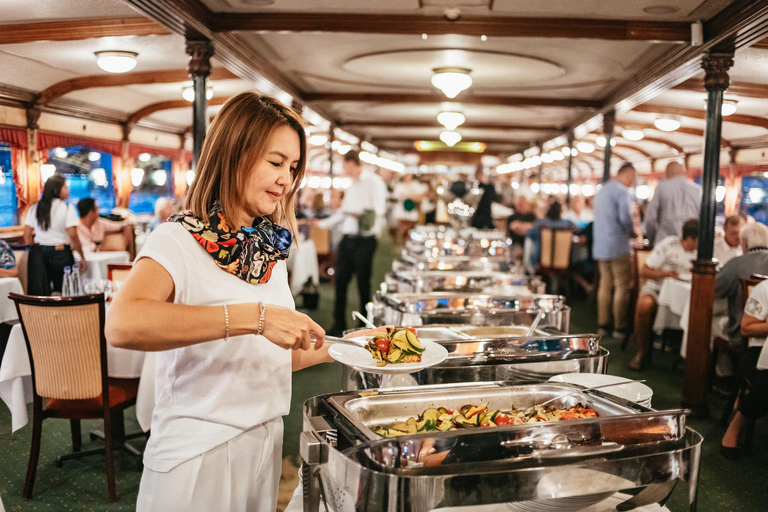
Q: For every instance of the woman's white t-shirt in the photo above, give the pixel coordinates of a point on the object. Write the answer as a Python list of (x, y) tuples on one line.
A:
[(63, 216), (209, 393)]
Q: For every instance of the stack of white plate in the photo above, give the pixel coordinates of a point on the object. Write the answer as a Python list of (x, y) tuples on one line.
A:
[(633, 391)]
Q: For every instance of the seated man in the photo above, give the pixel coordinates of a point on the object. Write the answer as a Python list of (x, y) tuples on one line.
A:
[(671, 257), (7, 261), (92, 228), (754, 241), (728, 246)]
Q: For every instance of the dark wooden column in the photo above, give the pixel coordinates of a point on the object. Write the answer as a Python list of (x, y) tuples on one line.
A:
[(609, 121), (570, 170), (331, 138), (540, 170), (199, 68), (716, 81)]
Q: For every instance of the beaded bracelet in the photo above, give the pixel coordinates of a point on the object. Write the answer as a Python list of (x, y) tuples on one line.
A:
[(262, 314), (226, 323)]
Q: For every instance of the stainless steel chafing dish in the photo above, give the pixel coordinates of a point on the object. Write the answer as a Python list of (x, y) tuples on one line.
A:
[(626, 448), (469, 308), (501, 283), (409, 262), (493, 354)]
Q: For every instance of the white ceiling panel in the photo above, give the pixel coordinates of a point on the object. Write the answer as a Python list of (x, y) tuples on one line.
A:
[(676, 10), (50, 10)]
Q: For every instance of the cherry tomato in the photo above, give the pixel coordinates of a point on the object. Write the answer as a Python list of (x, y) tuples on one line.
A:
[(589, 413), (502, 419), (382, 345), (412, 330)]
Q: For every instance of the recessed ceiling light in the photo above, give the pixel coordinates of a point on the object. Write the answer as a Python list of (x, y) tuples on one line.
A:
[(660, 10), (188, 93), (667, 124), (729, 107), (632, 134), (318, 140), (116, 61)]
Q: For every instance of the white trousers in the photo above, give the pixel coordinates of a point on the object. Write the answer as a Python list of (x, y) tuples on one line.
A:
[(241, 475)]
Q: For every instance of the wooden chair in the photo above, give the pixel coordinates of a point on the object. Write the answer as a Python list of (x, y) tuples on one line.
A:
[(68, 357), (555, 254), (640, 254), (747, 285), (118, 272)]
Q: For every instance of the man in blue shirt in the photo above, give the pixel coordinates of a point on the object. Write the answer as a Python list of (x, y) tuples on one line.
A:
[(613, 229)]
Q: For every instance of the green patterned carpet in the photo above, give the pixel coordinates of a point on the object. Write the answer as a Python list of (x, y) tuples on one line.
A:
[(725, 486)]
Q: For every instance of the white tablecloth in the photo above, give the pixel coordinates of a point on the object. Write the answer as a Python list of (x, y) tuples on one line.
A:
[(16, 375), (98, 261), (674, 309), (7, 307), (302, 264)]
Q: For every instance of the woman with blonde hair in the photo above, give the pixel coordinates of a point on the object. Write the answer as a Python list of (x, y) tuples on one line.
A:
[(211, 290)]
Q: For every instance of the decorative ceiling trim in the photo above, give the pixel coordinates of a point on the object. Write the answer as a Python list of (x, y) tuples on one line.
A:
[(467, 125), (665, 142), (169, 105), (475, 99), (746, 89), (760, 122), (401, 24), (59, 89), (683, 129), (529, 88), (76, 29)]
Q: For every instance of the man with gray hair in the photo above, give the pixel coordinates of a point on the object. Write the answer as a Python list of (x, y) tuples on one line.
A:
[(675, 200), (754, 241)]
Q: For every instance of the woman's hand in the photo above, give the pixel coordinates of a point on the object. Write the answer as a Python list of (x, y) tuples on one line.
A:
[(290, 329)]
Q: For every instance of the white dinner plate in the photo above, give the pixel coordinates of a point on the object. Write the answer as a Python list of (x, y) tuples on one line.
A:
[(634, 391), (360, 359)]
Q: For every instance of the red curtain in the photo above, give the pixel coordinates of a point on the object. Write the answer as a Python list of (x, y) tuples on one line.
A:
[(169, 153), (48, 140), (14, 137)]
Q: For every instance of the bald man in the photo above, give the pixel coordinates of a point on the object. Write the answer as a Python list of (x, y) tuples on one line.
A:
[(675, 200)]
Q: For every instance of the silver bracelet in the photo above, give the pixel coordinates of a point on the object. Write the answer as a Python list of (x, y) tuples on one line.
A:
[(226, 323), (262, 314)]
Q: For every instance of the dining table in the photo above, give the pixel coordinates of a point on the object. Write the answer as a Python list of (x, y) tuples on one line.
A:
[(99, 260), (7, 307), (16, 377), (674, 304)]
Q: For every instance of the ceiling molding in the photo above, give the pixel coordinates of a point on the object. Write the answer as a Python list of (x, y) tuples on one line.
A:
[(572, 28), (169, 105), (760, 122), (76, 29), (746, 89), (192, 19), (467, 125), (634, 148), (474, 99), (59, 89), (740, 23), (87, 112), (668, 143), (683, 129), (761, 45)]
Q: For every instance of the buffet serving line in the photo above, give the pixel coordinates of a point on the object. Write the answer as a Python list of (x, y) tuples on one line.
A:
[(410, 437)]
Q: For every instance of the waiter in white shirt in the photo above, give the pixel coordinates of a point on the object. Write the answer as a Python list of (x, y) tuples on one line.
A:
[(360, 219)]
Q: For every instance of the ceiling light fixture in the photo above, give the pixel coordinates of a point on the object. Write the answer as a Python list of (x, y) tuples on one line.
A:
[(585, 147), (600, 141), (137, 176), (667, 124), (451, 120), (632, 134), (145, 157), (188, 93), (729, 107), (318, 140), (452, 80), (116, 61), (450, 138)]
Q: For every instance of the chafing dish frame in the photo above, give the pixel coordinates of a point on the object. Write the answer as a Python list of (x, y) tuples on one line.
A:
[(358, 473)]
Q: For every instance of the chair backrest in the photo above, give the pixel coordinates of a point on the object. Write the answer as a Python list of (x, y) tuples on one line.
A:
[(556, 248), (640, 255), (118, 272), (66, 344), (322, 239)]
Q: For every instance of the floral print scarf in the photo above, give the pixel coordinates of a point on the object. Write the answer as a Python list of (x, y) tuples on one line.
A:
[(249, 253)]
